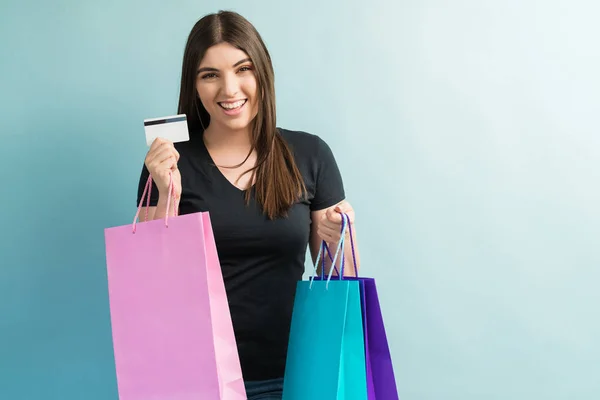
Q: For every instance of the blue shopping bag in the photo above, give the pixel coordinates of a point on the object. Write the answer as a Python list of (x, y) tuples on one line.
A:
[(326, 353)]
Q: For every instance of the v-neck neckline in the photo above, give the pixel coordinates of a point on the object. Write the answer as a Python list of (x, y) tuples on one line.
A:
[(213, 165)]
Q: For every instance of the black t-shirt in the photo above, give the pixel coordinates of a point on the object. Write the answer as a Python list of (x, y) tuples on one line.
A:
[(261, 260)]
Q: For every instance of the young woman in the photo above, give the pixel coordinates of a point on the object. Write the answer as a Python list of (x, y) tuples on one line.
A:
[(271, 192)]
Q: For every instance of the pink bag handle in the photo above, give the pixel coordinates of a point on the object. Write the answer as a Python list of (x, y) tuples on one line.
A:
[(148, 189)]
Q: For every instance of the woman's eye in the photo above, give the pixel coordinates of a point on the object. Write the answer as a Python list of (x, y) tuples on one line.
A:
[(208, 76), (245, 68)]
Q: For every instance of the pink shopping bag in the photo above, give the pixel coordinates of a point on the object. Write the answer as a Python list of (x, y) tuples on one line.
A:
[(172, 333)]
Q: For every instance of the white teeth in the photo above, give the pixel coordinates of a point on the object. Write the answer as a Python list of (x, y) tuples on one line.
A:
[(232, 106)]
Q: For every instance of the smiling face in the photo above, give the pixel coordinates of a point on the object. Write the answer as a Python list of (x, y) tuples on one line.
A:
[(227, 87)]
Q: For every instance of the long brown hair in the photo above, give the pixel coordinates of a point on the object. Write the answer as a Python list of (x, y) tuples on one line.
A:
[(278, 182)]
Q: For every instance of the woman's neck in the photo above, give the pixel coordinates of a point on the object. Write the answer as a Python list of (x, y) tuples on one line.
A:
[(220, 139)]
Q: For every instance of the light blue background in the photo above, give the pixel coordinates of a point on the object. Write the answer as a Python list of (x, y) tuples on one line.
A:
[(467, 133)]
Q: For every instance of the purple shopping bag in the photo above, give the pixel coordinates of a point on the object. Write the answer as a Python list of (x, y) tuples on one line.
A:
[(172, 332), (381, 381)]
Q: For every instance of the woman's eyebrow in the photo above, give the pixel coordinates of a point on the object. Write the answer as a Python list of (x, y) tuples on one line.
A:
[(211, 69)]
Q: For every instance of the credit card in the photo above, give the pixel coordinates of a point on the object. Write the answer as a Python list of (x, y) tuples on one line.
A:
[(173, 128)]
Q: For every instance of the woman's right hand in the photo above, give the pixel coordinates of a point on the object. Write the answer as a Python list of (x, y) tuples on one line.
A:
[(161, 159)]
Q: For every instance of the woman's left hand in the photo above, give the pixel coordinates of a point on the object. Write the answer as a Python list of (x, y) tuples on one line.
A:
[(330, 226)]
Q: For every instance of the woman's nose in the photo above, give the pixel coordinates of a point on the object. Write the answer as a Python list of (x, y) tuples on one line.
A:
[(231, 86)]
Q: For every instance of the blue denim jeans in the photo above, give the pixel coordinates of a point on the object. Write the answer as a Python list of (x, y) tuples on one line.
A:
[(271, 389)]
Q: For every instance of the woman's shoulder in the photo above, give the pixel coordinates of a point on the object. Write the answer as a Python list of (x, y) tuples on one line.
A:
[(302, 142), (318, 166)]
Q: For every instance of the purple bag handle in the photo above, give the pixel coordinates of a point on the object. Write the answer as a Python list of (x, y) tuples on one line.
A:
[(324, 248), (343, 261), (339, 247)]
